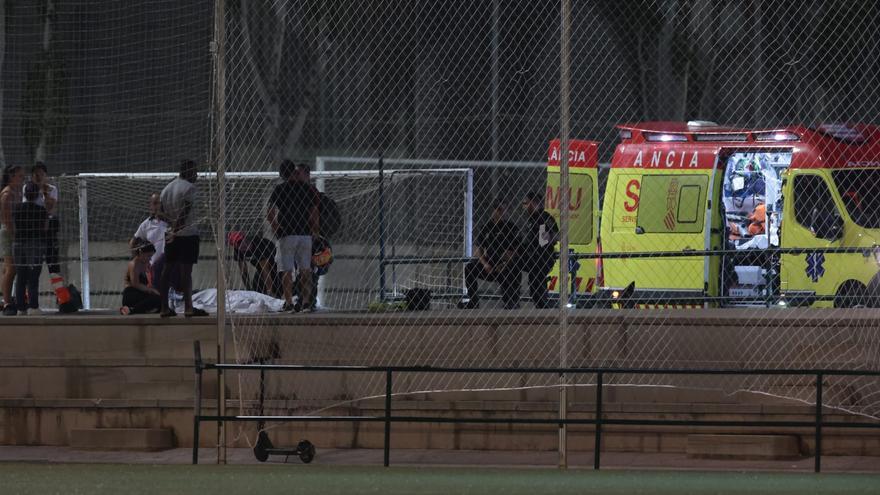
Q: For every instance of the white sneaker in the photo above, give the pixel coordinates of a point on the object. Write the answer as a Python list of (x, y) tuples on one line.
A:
[(34, 312)]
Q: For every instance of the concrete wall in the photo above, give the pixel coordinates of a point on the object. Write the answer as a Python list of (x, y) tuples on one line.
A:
[(63, 373)]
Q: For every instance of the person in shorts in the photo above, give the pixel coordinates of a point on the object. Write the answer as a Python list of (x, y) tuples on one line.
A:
[(293, 215), (181, 240), (10, 195)]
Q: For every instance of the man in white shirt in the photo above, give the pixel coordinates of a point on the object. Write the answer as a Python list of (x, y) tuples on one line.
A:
[(153, 230), (181, 239)]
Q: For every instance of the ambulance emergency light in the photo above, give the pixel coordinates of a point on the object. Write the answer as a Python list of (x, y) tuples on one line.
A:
[(664, 138), (776, 136)]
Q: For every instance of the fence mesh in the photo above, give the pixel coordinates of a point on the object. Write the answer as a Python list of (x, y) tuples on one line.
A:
[(423, 124)]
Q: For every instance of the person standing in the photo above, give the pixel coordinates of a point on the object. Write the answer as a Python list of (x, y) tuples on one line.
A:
[(538, 254), (293, 216), (495, 250), (48, 199), (181, 239), (10, 195), (153, 229), (29, 247)]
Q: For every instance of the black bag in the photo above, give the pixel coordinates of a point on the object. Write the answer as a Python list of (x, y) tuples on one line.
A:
[(74, 304), (418, 299)]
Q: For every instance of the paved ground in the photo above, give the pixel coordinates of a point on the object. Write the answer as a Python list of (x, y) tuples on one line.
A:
[(407, 457)]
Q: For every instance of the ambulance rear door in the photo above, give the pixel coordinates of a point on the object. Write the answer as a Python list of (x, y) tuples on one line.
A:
[(583, 213)]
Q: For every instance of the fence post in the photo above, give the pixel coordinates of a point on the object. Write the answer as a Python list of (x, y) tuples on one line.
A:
[(85, 283), (564, 202), (597, 449), (387, 452), (197, 407), (818, 466), (381, 229)]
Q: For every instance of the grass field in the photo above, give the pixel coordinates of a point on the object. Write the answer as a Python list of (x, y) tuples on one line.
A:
[(92, 479)]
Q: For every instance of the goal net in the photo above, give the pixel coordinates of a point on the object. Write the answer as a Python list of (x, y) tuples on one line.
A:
[(383, 223)]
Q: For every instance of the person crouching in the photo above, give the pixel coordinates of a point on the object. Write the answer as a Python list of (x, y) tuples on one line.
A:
[(31, 223)]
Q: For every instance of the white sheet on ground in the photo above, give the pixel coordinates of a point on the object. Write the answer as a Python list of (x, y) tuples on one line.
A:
[(237, 301)]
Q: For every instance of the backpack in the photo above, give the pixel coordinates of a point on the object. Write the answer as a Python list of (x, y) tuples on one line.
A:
[(74, 304), (418, 299)]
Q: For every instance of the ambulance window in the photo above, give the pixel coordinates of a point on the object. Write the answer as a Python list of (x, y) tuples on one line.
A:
[(580, 205), (672, 204), (811, 192), (688, 204)]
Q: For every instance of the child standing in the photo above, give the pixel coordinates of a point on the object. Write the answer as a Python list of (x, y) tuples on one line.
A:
[(31, 223)]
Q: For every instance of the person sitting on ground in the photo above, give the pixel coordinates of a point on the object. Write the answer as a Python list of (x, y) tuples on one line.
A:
[(31, 223), (138, 296), (495, 250)]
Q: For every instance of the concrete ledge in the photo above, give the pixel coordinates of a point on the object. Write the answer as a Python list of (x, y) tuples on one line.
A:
[(141, 439), (745, 447)]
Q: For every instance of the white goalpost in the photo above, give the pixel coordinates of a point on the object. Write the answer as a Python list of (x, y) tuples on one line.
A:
[(104, 229)]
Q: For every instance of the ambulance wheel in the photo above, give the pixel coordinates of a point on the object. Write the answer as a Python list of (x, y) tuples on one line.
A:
[(873, 296), (306, 451), (263, 443), (851, 294)]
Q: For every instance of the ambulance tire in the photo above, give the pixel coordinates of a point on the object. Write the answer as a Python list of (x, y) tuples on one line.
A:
[(851, 294), (873, 290)]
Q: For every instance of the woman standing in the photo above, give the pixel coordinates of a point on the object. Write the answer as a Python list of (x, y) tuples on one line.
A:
[(10, 195)]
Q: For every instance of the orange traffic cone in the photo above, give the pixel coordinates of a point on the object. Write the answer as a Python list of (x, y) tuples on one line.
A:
[(61, 292)]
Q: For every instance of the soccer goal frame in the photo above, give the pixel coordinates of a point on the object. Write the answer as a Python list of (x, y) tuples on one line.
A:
[(320, 175)]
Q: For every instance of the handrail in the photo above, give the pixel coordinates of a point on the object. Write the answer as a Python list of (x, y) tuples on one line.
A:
[(598, 420)]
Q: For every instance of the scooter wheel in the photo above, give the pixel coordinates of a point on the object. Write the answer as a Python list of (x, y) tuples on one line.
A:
[(306, 451)]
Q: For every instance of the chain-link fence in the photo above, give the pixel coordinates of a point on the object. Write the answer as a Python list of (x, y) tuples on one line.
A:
[(431, 132)]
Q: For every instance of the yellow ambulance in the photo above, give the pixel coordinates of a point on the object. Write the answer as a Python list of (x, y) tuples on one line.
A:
[(698, 215), (583, 160)]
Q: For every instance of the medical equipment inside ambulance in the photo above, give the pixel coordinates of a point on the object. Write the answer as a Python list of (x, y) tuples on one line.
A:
[(752, 214)]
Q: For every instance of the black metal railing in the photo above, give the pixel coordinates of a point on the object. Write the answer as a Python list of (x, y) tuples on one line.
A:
[(599, 420)]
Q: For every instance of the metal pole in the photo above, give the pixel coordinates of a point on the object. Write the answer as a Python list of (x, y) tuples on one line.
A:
[(563, 226), (818, 464), (83, 244), (387, 453), (597, 449), (219, 160), (468, 223), (197, 407), (495, 171), (381, 230), (320, 185)]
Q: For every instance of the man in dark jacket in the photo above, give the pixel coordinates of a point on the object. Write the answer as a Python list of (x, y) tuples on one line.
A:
[(538, 252), (495, 250)]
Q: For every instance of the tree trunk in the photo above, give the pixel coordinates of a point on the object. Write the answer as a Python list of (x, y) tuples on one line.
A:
[(41, 150)]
